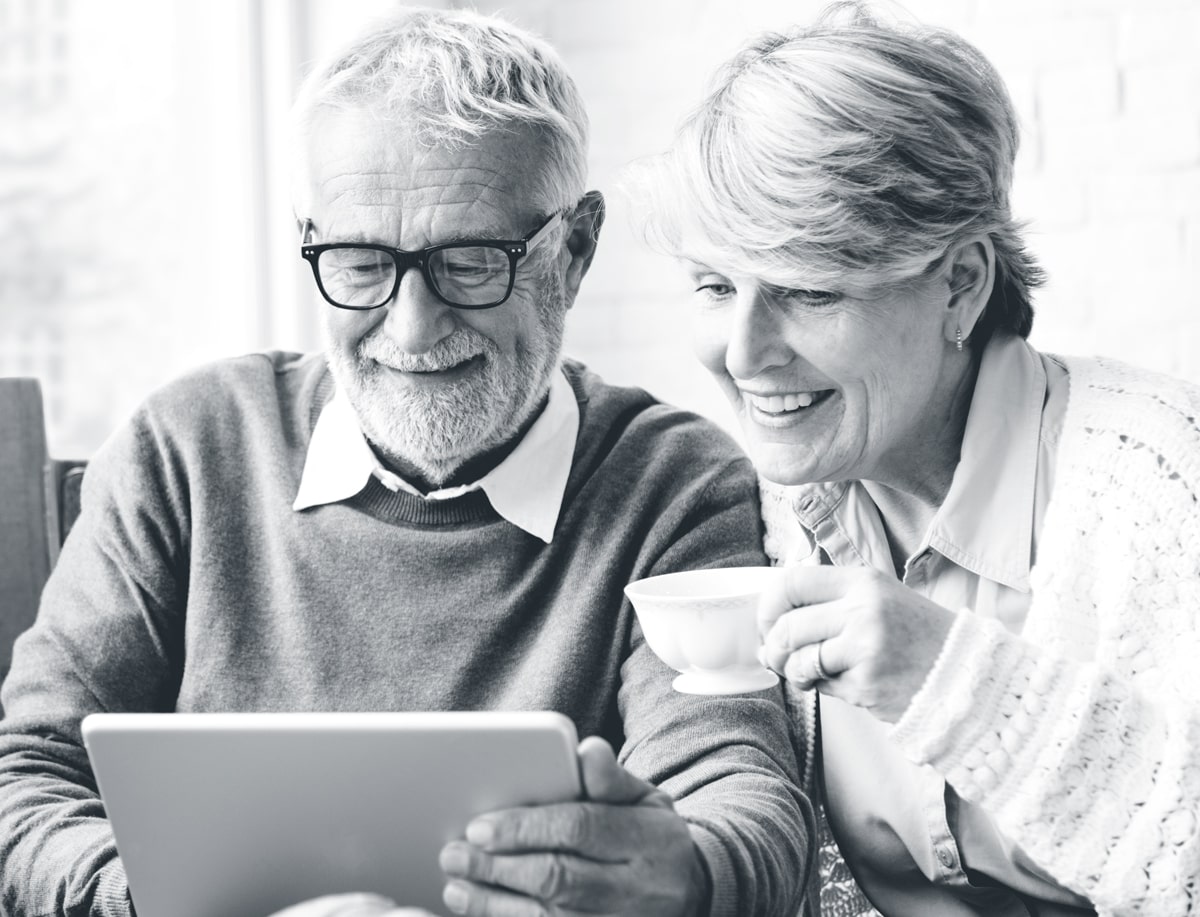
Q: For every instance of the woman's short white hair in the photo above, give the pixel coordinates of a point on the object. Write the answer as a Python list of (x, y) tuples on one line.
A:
[(851, 150), (452, 76)]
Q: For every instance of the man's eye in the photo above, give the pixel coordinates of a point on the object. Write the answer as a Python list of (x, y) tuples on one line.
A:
[(466, 268)]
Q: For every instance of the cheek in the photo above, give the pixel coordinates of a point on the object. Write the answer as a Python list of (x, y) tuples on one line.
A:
[(889, 392), (344, 328), (512, 328), (709, 339)]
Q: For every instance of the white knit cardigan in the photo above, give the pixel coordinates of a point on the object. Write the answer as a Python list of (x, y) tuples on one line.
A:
[(1080, 736)]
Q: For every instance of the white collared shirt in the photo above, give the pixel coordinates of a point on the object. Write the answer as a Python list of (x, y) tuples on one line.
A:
[(526, 488)]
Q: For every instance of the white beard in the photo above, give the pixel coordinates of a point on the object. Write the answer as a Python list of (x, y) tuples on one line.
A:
[(437, 430)]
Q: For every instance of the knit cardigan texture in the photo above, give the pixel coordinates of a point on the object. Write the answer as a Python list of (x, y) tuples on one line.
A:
[(190, 584), (1080, 735)]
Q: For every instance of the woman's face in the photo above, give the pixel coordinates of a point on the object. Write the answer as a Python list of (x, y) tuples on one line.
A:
[(831, 384)]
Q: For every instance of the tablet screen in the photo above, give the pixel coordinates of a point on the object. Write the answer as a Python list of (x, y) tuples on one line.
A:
[(239, 815)]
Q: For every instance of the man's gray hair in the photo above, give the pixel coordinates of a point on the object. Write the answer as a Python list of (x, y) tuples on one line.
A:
[(851, 150), (449, 77)]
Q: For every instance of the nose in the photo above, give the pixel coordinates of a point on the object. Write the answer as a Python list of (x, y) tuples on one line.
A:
[(757, 333), (416, 318)]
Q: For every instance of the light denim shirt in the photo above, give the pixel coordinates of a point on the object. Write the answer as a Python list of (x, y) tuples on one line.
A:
[(914, 847)]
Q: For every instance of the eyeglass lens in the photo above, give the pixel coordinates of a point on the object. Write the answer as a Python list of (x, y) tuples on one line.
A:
[(471, 275)]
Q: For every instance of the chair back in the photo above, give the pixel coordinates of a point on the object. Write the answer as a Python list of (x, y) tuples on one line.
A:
[(39, 501)]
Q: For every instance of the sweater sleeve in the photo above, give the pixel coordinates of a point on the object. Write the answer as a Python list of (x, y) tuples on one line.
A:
[(728, 762), (106, 638), (1100, 784)]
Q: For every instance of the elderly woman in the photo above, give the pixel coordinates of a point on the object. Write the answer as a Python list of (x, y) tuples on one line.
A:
[(993, 554)]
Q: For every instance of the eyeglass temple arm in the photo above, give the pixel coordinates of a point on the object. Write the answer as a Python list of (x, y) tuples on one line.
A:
[(533, 241), (306, 230)]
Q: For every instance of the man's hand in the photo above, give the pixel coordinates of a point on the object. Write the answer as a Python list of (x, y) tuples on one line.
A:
[(356, 905), (877, 639), (625, 851)]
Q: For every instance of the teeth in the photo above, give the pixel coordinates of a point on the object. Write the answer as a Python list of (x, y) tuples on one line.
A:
[(778, 404), (803, 400)]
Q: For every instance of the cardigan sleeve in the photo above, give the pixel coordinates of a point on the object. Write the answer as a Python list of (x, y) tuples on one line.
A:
[(1097, 781), (1081, 735)]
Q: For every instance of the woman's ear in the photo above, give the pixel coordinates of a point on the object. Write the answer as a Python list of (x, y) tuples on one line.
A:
[(972, 275), (583, 234)]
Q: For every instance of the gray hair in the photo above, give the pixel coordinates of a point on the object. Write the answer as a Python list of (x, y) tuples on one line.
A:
[(849, 151), (454, 75)]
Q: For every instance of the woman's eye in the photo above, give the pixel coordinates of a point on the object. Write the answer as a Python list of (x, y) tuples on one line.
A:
[(715, 291), (808, 297)]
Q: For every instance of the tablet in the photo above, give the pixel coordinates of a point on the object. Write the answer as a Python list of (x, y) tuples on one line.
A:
[(241, 814)]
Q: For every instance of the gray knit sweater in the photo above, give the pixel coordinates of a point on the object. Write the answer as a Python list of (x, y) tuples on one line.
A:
[(189, 583)]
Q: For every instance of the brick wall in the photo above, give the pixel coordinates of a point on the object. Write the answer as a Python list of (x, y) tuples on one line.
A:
[(1108, 177), (124, 162)]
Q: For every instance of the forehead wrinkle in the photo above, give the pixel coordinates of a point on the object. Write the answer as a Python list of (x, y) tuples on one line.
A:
[(396, 194), (450, 185)]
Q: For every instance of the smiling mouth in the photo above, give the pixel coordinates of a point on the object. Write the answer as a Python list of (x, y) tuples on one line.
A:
[(779, 407), (419, 369)]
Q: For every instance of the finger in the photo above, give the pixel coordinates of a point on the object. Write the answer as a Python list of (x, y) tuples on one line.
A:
[(801, 586), (593, 830), (347, 905), (475, 900), (800, 628), (801, 666), (773, 603), (604, 780), (560, 879), (806, 585), (836, 654)]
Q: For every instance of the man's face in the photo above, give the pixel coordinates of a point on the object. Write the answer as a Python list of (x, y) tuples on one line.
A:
[(434, 386)]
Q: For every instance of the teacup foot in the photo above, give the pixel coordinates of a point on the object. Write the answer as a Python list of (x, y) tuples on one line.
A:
[(725, 683)]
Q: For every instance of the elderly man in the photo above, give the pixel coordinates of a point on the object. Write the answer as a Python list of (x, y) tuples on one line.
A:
[(437, 513)]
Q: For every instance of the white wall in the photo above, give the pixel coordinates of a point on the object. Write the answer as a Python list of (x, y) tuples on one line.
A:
[(140, 205), (146, 194), (1108, 176)]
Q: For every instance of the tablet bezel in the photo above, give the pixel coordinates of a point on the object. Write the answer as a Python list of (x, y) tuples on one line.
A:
[(216, 814)]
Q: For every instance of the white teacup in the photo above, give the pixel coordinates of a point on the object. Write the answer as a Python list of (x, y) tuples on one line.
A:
[(703, 624)]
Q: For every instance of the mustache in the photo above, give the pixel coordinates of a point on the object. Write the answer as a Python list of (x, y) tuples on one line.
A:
[(458, 347)]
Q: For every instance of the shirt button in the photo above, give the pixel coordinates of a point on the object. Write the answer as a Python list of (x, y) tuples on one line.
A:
[(946, 856)]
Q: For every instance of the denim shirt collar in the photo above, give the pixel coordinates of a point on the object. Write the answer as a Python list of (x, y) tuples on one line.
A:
[(985, 523)]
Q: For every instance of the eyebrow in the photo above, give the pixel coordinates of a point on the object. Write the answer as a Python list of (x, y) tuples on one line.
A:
[(699, 267), (487, 234)]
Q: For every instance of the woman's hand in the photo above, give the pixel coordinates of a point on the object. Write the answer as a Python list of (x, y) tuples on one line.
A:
[(875, 639)]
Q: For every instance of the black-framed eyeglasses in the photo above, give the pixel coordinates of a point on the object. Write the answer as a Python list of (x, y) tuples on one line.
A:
[(469, 274)]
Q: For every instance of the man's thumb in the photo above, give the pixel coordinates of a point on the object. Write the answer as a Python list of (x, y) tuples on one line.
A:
[(604, 780)]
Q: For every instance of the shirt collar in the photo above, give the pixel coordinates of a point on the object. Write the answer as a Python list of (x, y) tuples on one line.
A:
[(526, 488), (985, 524)]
